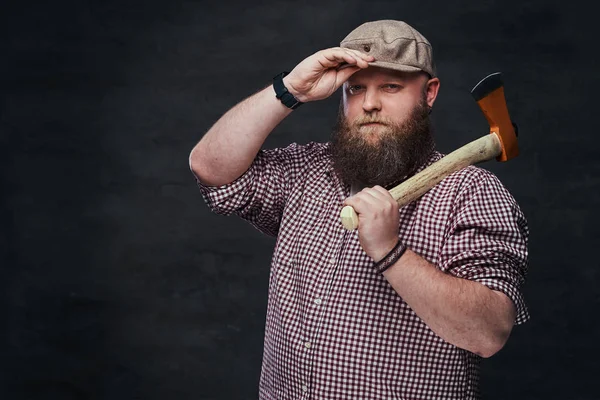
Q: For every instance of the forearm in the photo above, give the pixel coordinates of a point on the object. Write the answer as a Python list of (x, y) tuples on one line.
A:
[(226, 151), (462, 312)]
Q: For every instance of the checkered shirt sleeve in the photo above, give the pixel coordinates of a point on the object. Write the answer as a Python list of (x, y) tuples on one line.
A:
[(259, 195), (488, 236)]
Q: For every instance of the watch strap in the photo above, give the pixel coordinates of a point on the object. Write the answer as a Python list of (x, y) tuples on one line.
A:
[(282, 93)]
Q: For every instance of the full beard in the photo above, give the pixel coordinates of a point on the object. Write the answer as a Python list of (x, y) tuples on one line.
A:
[(364, 157)]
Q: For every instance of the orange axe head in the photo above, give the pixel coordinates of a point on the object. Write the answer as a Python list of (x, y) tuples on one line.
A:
[(489, 94)]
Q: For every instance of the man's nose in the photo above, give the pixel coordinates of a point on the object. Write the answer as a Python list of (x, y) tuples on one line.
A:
[(371, 101)]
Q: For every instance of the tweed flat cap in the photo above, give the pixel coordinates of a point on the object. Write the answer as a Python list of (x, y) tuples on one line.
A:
[(394, 44)]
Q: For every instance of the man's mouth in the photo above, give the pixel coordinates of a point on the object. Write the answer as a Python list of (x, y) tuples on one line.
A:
[(372, 124)]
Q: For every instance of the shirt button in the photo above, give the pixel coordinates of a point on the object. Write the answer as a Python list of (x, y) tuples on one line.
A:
[(307, 345), (304, 388), (317, 301), (332, 261)]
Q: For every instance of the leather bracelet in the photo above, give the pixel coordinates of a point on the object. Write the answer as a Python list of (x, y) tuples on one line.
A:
[(282, 93), (390, 258)]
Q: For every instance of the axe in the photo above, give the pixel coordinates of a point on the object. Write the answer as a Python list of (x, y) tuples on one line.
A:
[(501, 143)]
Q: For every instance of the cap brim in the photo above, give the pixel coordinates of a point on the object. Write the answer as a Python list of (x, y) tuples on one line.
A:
[(397, 67)]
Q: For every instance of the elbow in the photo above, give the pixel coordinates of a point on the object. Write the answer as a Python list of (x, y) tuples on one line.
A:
[(490, 350), (493, 342), (193, 161), (197, 167), (498, 331), (205, 172)]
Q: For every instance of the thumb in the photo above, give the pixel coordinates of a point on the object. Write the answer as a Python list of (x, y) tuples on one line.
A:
[(345, 73)]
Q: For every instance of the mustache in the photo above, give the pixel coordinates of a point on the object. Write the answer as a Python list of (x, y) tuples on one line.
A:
[(368, 119)]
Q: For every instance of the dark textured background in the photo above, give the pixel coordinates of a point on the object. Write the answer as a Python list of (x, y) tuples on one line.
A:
[(117, 281)]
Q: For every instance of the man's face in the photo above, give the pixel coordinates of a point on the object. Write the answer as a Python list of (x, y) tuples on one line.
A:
[(383, 132), (377, 93)]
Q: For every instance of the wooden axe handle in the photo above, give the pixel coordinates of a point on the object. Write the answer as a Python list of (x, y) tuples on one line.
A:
[(482, 149)]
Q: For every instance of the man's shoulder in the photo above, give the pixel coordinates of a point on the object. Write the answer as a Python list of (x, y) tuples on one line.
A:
[(470, 179), (469, 174)]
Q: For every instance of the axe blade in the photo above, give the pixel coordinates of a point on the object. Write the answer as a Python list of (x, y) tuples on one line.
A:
[(489, 95), (487, 85)]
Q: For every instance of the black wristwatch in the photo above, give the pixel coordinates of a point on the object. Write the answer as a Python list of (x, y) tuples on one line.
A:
[(283, 94)]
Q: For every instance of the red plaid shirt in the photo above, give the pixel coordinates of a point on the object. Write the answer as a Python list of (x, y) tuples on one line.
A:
[(335, 328)]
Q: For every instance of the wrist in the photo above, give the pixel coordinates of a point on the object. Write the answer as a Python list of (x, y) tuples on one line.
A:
[(290, 87), (383, 249), (283, 94), (390, 258)]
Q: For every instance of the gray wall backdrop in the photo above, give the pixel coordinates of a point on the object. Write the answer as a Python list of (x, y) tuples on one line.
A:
[(117, 282)]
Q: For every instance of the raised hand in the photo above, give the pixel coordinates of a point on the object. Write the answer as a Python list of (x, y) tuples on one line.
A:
[(321, 74)]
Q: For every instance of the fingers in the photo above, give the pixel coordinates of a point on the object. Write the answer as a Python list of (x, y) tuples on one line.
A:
[(371, 198), (361, 202), (364, 56), (345, 72), (383, 193), (336, 56), (354, 61), (379, 193)]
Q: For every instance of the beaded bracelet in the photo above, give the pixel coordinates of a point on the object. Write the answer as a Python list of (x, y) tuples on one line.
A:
[(391, 257)]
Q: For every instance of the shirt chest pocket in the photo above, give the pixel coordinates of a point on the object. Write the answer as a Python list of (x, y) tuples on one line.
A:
[(308, 223)]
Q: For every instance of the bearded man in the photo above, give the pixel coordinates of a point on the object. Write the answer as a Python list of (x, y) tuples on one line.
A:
[(406, 306)]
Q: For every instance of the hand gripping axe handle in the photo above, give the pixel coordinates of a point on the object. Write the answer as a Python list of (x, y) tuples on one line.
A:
[(501, 144)]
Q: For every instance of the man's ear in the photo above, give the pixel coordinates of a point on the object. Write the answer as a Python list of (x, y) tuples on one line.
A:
[(431, 90)]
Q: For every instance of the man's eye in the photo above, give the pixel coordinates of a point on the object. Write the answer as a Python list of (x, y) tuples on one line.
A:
[(354, 89), (391, 87)]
